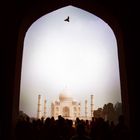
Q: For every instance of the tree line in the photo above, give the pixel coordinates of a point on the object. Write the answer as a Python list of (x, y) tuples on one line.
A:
[(109, 112)]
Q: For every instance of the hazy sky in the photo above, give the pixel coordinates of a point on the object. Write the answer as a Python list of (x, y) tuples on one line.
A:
[(80, 55)]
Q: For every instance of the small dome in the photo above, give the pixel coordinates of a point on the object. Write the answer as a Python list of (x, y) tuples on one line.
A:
[(65, 95)]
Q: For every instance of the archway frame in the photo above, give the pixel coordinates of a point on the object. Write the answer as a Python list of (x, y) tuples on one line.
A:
[(66, 111), (89, 6)]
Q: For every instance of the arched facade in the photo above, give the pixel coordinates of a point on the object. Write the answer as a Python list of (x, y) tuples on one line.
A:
[(66, 107)]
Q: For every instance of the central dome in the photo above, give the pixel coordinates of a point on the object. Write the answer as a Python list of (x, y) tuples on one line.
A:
[(65, 95)]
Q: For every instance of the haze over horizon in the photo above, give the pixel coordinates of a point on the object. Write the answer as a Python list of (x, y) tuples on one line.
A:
[(80, 55)]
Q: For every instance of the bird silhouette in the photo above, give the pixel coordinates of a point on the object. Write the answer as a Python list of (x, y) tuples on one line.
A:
[(67, 19)]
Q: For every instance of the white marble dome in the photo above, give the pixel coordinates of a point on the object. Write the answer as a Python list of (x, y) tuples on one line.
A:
[(65, 95)]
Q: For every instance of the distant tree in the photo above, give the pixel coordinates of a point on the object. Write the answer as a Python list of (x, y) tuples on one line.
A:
[(105, 111), (22, 115), (118, 110), (109, 112), (98, 113)]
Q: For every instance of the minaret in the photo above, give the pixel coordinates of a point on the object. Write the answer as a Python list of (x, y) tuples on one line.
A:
[(86, 109), (79, 110), (45, 110), (91, 105), (39, 107)]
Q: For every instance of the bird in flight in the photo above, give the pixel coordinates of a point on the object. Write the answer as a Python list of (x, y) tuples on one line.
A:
[(67, 19)]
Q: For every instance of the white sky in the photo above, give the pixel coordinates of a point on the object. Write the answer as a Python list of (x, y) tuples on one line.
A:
[(80, 54)]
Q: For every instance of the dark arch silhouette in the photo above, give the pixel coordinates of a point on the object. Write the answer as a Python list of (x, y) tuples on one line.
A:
[(28, 12), (29, 19), (104, 15)]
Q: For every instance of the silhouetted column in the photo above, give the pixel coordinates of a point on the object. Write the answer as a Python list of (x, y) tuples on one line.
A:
[(45, 108), (91, 105), (79, 110), (39, 107), (86, 108)]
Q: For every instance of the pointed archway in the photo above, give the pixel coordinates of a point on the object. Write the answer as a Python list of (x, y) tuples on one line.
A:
[(104, 15), (66, 111), (81, 53)]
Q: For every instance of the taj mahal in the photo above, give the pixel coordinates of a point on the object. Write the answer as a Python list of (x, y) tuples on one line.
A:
[(65, 106)]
